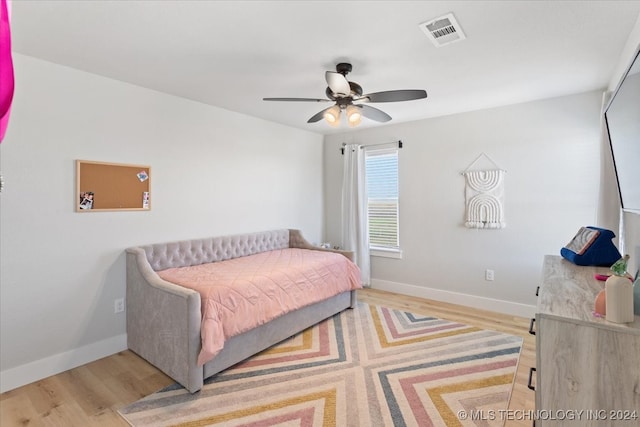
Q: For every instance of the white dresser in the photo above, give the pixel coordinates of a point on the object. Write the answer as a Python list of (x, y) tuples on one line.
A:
[(583, 362)]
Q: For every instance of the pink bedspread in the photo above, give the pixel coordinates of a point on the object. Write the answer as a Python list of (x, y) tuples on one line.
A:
[(242, 293)]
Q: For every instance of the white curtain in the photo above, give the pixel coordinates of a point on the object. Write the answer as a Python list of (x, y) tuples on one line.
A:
[(355, 226)]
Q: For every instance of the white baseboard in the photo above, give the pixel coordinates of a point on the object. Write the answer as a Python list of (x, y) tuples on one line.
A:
[(43, 368), (500, 306)]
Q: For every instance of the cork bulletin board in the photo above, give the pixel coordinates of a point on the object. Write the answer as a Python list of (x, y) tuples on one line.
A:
[(112, 187)]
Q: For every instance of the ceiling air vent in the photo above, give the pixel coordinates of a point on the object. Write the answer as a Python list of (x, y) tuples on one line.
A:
[(443, 30)]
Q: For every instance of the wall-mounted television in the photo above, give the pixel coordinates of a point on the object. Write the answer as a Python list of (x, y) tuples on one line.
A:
[(622, 116)]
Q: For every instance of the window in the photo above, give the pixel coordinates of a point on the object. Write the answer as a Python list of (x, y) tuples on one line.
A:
[(382, 205)]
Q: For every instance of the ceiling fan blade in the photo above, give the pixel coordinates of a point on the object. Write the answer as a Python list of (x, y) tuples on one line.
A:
[(296, 99), (319, 116), (337, 83), (396, 95), (374, 113)]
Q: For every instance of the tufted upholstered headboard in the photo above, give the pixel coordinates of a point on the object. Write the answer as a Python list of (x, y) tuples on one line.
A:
[(200, 251)]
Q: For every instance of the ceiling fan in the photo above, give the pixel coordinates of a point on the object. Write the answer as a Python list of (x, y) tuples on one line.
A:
[(348, 98)]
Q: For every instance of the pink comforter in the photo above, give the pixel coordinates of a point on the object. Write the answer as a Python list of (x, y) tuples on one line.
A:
[(242, 293)]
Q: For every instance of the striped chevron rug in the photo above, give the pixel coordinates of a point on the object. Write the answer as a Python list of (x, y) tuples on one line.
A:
[(370, 366)]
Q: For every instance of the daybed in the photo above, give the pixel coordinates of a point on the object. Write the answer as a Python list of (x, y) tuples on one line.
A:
[(165, 321)]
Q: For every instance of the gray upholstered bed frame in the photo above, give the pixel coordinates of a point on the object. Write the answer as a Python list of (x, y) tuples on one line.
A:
[(163, 319)]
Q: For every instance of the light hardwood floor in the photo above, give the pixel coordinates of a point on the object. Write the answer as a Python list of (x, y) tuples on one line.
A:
[(90, 395)]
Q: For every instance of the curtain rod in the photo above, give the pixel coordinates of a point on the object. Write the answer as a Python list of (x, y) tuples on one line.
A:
[(399, 142)]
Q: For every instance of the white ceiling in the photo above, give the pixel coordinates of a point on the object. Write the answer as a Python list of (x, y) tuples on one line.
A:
[(231, 54)]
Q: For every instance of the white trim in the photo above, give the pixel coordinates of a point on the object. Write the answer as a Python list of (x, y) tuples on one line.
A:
[(386, 253), (500, 306), (632, 211), (43, 368), (387, 148)]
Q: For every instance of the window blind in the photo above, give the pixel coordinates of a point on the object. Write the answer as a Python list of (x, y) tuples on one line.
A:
[(382, 189)]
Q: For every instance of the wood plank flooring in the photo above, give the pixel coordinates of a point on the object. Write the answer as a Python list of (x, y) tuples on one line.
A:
[(90, 395)]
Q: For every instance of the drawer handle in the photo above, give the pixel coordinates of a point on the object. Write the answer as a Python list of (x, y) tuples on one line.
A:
[(531, 331), (537, 290), (531, 371)]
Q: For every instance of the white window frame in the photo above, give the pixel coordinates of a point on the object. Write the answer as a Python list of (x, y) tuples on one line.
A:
[(386, 251)]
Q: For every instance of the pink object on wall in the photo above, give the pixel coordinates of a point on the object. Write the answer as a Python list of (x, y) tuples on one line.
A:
[(6, 69)]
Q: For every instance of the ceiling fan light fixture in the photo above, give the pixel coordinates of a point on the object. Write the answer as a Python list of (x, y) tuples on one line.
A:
[(354, 116), (348, 97), (332, 116)]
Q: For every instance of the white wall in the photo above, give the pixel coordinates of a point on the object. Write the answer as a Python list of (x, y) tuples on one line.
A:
[(213, 172), (550, 150)]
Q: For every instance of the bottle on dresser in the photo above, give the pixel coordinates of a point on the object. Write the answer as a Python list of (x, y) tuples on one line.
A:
[(619, 291)]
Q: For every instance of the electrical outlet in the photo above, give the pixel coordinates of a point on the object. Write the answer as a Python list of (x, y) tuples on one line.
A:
[(488, 275), (118, 305)]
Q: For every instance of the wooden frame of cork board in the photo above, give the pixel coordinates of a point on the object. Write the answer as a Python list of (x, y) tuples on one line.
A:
[(104, 186)]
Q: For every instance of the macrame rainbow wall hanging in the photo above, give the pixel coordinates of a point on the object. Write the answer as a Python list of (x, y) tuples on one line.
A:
[(484, 195)]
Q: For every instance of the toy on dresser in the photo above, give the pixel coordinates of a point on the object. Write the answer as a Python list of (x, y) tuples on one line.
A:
[(591, 246)]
